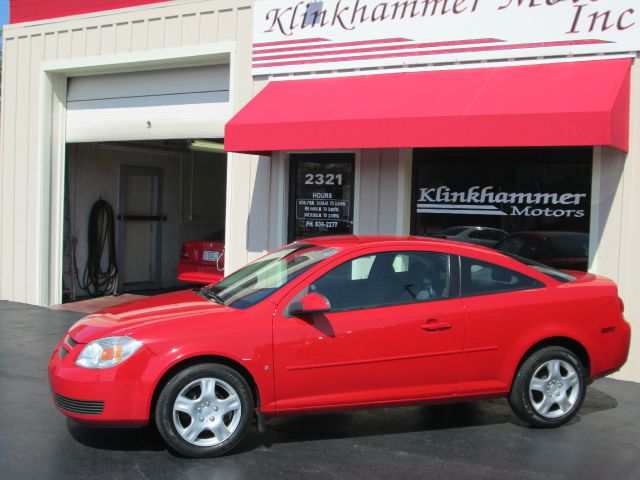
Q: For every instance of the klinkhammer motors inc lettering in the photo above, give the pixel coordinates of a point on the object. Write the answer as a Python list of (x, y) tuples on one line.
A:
[(479, 200), (584, 16)]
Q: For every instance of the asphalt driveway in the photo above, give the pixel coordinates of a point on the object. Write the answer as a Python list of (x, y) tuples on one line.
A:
[(480, 440)]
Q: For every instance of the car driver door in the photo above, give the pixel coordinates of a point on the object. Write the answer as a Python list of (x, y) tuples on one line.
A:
[(394, 333)]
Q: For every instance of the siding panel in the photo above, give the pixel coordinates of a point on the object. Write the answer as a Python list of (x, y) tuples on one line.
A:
[(64, 44), (139, 35), (156, 33), (369, 188), (34, 235), (50, 49), (21, 178), (123, 37), (172, 31), (227, 25), (78, 42), (190, 29), (93, 41), (208, 27), (7, 213), (107, 39)]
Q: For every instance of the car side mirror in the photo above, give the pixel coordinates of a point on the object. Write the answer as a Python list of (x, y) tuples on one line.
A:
[(310, 304)]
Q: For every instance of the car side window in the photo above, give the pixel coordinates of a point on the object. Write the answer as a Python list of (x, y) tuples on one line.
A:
[(482, 278), (386, 279)]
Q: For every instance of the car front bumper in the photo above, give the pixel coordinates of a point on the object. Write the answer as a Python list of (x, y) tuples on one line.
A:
[(112, 396)]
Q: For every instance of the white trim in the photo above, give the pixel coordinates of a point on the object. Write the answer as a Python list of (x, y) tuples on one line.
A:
[(441, 67), (357, 189), (282, 178), (403, 202), (227, 214), (192, 56), (53, 86), (594, 223)]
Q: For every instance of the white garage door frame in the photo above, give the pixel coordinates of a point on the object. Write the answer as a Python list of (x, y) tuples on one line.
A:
[(51, 149)]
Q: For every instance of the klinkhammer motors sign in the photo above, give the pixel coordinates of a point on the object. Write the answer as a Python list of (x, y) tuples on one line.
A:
[(295, 36), (488, 200)]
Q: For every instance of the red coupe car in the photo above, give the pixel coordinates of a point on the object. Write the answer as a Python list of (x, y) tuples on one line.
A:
[(339, 323)]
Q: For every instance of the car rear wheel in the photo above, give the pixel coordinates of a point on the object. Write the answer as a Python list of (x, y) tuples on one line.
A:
[(549, 388), (204, 410)]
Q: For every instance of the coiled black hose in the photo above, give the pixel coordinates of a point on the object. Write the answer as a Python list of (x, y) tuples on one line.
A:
[(96, 280)]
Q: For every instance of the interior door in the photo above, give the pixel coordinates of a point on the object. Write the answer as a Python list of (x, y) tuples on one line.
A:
[(389, 337), (140, 223)]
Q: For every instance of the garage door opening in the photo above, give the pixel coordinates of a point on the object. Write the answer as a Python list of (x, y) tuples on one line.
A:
[(143, 217)]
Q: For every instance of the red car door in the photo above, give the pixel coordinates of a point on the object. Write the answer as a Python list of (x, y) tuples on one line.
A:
[(395, 333), (505, 312)]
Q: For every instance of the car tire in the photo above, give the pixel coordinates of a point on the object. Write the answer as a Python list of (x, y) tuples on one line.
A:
[(204, 410), (549, 388)]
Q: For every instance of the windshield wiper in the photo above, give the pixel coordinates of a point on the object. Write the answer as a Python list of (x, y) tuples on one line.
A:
[(207, 293)]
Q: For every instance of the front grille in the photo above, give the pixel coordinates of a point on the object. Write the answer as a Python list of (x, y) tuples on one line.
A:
[(83, 407), (63, 351)]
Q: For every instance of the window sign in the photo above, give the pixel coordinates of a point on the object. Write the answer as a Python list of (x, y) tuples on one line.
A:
[(321, 199), (533, 202)]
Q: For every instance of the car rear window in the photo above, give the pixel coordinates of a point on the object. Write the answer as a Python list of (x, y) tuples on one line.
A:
[(558, 275)]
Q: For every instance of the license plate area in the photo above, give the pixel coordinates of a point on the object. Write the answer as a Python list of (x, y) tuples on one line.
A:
[(210, 255)]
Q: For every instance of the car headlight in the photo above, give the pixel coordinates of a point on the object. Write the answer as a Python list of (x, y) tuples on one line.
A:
[(107, 352)]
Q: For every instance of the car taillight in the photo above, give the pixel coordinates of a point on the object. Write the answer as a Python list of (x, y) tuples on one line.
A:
[(184, 254)]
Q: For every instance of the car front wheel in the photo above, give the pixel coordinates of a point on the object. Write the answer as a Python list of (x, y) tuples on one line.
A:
[(549, 388), (204, 410)]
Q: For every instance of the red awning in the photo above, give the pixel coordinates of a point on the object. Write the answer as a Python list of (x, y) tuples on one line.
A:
[(557, 104)]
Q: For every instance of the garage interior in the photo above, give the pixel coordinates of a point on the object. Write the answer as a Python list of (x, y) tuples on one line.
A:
[(162, 193), (150, 145)]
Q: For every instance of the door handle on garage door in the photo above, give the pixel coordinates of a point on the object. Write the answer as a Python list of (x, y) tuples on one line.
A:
[(436, 326)]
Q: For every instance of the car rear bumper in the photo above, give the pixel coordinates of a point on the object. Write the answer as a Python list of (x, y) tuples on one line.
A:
[(205, 275), (113, 396), (614, 349)]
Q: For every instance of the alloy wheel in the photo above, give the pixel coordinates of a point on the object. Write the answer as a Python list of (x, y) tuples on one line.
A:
[(554, 388), (207, 412)]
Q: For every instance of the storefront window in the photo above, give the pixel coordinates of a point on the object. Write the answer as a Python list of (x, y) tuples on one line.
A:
[(321, 195), (530, 202)]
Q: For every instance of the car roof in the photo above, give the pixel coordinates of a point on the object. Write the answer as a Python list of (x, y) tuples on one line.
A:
[(356, 241)]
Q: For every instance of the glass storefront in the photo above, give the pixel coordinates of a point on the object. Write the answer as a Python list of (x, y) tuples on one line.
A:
[(532, 202)]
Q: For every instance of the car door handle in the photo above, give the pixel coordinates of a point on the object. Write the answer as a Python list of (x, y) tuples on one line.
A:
[(436, 326)]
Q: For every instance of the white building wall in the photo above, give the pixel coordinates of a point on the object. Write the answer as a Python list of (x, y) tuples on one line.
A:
[(616, 223), (32, 138)]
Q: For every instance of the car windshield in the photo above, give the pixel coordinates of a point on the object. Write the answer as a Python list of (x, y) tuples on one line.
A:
[(552, 272), (259, 279)]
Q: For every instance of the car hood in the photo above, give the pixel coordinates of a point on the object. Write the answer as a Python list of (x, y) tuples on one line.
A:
[(129, 317)]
